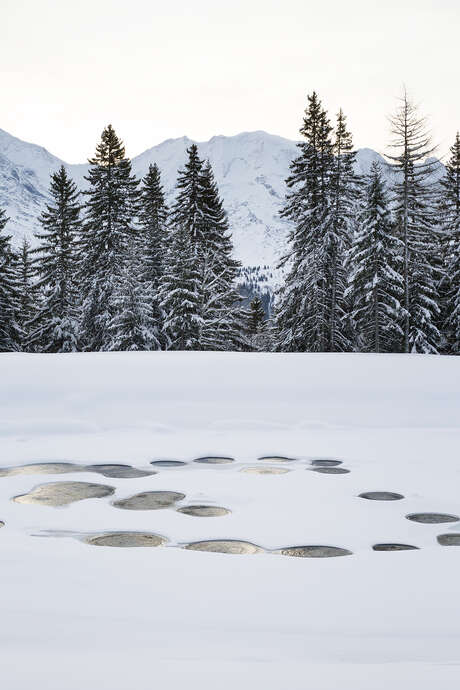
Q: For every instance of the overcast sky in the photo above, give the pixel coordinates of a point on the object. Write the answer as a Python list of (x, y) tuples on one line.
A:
[(157, 70)]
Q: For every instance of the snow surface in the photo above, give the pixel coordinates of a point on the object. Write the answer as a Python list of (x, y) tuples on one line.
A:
[(76, 616)]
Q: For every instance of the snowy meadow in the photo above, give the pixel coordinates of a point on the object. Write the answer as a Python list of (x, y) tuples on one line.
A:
[(77, 612)]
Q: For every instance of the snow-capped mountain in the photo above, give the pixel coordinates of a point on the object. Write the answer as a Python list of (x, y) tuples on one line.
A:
[(250, 169)]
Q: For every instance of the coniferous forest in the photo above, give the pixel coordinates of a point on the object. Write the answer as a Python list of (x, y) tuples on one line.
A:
[(372, 265)]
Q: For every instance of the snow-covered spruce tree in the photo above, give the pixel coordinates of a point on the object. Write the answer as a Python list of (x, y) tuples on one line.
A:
[(303, 310), (27, 291), (256, 316), (54, 327), (10, 332), (180, 292), (153, 216), (187, 210), (111, 206), (133, 326), (375, 282), (413, 192), (345, 187), (259, 330), (198, 210), (450, 222), (222, 318)]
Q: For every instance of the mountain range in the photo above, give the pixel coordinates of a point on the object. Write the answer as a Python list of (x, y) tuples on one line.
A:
[(250, 169)]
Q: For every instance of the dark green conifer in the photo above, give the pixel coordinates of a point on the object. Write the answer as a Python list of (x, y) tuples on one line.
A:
[(54, 328), (10, 332), (111, 207)]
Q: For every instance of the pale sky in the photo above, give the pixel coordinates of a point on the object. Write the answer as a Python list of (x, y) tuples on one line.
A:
[(157, 70)]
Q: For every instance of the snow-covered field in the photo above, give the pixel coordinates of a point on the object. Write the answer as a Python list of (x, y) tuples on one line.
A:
[(76, 616)]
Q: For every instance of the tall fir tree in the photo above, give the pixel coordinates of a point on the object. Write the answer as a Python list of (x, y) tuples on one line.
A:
[(198, 209), (375, 281), (110, 210), (27, 291), (303, 310), (187, 210), (256, 316), (449, 207), (54, 328), (10, 332), (153, 216), (222, 317), (345, 187), (413, 192), (180, 292)]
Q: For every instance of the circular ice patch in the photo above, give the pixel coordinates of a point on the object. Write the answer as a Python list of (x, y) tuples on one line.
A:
[(217, 460), (62, 493), (149, 500), (394, 547), (432, 518), (203, 511), (381, 496), (126, 539), (233, 546), (313, 551)]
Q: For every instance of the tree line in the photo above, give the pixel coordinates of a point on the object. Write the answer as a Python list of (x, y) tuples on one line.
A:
[(116, 269), (371, 266)]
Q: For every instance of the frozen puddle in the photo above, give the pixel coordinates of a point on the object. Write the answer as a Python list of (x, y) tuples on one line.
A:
[(107, 470), (394, 547), (233, 546), (63, 493), (449, 539), (149, 500), (276, 458), (326, 462), (204, 511), (126, 539), (119, 471), (217, 460), (168, 463), (330, 470), (41, 468), (432, 518), (381, 496), (313, 551), (265, 470)]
